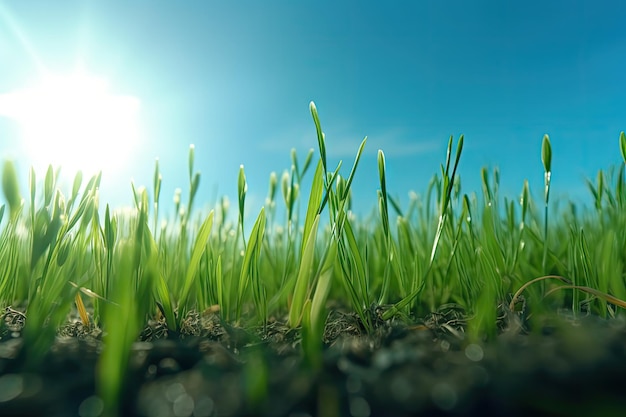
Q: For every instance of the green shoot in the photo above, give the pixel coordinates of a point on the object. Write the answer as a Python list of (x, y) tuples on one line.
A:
[(546, 159)]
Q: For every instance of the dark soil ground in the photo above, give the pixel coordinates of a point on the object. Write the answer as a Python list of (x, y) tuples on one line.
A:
[(567, 367)]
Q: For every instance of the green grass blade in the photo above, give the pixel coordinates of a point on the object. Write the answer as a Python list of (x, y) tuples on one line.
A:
[(163, 297), (49, 182), (546, 159), (242, 188), (10, 188), (249, 268), (318, 304), (304, 274), (221, 286), (196, 254), (622, 145), (320, 135), (315, 199), (354, 167)]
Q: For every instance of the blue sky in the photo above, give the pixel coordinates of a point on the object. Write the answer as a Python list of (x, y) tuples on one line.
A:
[(236, 78)]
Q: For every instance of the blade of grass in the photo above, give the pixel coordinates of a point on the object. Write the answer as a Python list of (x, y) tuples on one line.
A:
[(304, 274), (196, 254), (10, 188), (250, 269), (546, 160)]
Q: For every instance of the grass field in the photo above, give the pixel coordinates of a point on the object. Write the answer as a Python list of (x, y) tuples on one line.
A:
[(64, 256)]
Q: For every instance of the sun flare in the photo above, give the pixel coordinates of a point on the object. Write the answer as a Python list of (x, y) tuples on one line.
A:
[(75, 122)]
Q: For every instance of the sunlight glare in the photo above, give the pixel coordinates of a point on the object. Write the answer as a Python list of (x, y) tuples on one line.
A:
[(74, 122)]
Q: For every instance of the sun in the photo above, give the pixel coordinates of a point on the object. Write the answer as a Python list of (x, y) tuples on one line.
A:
[(74, 121)]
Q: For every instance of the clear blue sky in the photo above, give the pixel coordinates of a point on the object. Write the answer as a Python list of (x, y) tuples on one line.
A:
[(235, 79)]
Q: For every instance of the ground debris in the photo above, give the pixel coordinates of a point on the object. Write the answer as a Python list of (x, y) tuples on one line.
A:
[(430, 366)]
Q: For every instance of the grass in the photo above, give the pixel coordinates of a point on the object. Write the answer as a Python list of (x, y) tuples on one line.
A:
[(479, 252)]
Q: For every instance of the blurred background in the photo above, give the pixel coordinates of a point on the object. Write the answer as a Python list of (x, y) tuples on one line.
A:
[(113, 85)]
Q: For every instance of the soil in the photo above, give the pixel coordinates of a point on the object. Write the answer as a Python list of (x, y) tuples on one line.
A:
[(569, 366)]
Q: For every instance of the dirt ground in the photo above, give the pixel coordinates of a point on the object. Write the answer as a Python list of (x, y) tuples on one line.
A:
[(568, 367)]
